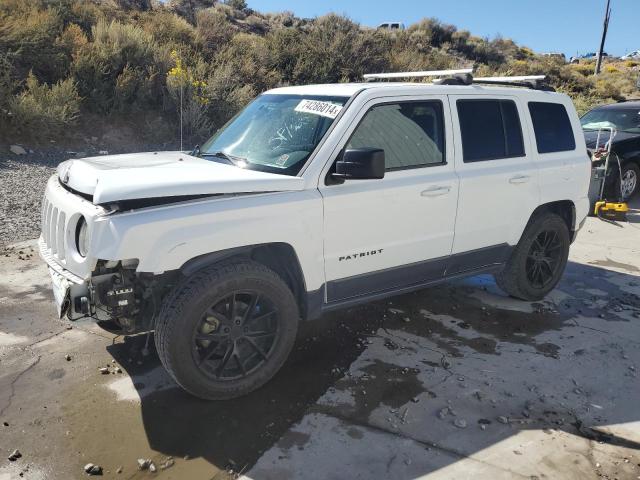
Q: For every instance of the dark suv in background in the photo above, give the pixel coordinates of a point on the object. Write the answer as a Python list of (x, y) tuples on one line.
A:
[(625, 118)]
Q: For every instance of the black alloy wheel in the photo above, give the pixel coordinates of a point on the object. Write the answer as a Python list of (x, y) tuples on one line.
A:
[(538, 260), (225, 330), (236, 335), (544, 258)]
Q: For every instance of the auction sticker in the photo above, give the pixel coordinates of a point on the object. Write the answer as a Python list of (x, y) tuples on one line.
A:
[(316, 107)]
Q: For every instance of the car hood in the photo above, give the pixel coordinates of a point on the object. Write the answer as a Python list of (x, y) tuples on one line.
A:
[(591, 136), (135, 176)]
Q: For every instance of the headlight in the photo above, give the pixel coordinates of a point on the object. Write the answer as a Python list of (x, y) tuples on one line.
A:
[(82, 241)]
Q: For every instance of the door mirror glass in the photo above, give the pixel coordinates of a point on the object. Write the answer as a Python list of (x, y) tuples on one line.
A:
[(360, 164)]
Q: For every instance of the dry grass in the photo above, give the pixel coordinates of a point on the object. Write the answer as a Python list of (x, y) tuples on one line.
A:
[(97, 57)]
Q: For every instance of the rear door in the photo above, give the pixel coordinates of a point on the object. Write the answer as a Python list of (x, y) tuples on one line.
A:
[(395, 232), (498, 178)]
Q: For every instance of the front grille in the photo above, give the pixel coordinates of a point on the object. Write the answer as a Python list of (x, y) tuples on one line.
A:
[(61, 211), (53, 229)]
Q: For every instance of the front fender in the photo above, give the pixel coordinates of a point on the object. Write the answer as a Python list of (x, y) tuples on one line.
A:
[(165, 238)]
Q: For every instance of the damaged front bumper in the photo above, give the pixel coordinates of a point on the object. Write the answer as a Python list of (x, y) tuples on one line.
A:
[(108, 294), (66, 285)]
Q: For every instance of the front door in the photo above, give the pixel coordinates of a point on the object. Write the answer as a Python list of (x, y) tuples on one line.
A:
[(395, 232)]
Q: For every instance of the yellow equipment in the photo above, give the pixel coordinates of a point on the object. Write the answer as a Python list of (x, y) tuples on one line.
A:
[(607, 210), (611, 210)]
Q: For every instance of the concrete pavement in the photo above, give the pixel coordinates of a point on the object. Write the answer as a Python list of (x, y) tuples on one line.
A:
[(449, 382)]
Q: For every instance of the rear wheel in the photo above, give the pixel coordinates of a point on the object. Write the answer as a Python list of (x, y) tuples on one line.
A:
[(227, 329), (538, 261)]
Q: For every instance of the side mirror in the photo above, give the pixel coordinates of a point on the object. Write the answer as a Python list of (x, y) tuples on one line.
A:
[(360, 164)]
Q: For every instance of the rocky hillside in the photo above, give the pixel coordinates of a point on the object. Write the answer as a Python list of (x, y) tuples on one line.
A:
[(73, 70)]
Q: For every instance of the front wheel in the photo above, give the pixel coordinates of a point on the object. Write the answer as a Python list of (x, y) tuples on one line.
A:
[(538, 261), (227, 329)]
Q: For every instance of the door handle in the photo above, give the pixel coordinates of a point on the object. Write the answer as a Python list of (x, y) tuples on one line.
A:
[(435, 191), (519, 179)]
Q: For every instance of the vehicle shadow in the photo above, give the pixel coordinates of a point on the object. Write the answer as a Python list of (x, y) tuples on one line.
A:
[(232, 434), (464, 321)]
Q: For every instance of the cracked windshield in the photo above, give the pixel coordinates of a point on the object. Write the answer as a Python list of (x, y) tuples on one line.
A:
[(275, 133)]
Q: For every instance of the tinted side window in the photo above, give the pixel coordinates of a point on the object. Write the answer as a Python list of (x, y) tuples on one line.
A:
[(552, 127), (490, 129), (410, 133)]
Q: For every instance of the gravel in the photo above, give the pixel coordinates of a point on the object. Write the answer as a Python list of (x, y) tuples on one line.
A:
[(24, 177), (22, 183)]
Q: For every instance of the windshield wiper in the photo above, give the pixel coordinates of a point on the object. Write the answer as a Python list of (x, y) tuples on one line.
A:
[(231, 159)]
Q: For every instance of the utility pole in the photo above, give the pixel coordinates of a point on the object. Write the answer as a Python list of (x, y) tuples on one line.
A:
[(605, 27)]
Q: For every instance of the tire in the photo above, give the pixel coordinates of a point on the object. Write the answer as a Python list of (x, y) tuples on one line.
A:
[(210, 332), (631, 180), (520, 278)]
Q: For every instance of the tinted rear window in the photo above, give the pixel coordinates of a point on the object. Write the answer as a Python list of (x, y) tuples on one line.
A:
[(490, 129), (552, 127)]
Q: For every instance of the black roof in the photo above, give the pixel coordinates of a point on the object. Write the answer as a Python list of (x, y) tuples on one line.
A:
[(632, 104)]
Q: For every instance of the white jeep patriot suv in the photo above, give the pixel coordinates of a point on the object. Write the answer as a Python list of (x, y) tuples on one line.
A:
[(310, 199)]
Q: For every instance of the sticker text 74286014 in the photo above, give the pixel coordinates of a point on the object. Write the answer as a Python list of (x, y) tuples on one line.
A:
[(317, 107)]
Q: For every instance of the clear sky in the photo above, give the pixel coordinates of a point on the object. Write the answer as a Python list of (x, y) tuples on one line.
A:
[(568, 26)]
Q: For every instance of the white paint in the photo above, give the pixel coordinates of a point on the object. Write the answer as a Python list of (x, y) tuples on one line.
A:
[(393, 214), (121, 177), (479, 205)]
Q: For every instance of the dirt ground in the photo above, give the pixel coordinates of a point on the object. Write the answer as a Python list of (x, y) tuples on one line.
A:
[(455, 381)]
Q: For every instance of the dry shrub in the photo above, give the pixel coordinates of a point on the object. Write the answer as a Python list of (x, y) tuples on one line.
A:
[(282, 19), (334, 49), (45, 110), (117, 59), (72, 39), (237, 4), (122, 69), (7, 86), (213, 30), (188, 9), (27, 35), (189, 96), (248, 56), (583, 69), (226, 95), (257, 24), (168, 28)]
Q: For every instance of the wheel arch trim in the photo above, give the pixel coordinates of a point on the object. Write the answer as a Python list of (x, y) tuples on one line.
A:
[(280, 257), (566, 209)]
